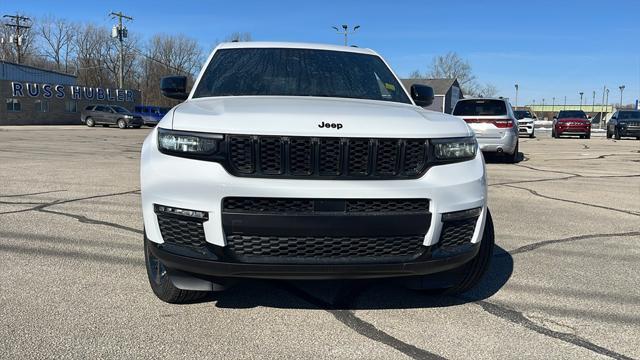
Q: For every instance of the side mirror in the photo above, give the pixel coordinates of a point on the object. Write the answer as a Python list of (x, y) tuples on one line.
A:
[(174, 87), (422, 95)]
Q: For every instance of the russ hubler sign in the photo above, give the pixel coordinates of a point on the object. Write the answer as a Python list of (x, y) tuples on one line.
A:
[(74, 92)]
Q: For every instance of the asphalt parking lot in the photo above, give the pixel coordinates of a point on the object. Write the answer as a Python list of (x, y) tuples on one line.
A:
[(564, 281)]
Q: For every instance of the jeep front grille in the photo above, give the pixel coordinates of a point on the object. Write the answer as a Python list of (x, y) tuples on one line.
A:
[(295, 205), (307, 249), (326, 158)]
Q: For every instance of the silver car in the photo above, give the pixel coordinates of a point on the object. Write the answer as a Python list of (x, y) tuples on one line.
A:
[(494, 124)]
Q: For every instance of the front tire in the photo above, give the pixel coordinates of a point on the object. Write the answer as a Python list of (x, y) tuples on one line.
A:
[(532, 135), (608, 134), (616, 134), (161, 284), (90, 123), (122, 124), (588, 136)]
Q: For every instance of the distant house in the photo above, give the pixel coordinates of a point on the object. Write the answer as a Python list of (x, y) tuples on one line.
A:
[(447, 92)]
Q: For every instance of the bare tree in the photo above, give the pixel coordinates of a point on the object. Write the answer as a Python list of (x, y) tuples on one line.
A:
[(452, 66), (167, 55), (57, 37)]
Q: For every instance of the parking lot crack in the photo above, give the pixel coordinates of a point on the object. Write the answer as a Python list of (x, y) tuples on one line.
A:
[(362, 327), (85, 220), (535, 193), (519, 318), (534, 246)]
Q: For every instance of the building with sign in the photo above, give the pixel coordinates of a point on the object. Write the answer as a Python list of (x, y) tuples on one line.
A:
[(447, 92), (33, 96)]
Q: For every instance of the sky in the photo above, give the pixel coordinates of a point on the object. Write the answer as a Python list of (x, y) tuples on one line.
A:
[(550, 48)]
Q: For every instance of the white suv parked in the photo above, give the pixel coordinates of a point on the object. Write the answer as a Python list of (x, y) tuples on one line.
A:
[(303, 161)]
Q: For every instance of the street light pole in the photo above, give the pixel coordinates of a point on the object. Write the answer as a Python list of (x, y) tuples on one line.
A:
[(593, 106), (517, 87), (581, 93), (621, 87), (345, 31)]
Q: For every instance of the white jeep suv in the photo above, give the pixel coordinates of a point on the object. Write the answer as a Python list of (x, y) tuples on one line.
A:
[(299, 161)]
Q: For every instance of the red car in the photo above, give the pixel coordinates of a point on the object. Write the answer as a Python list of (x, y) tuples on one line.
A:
[(571, 122)]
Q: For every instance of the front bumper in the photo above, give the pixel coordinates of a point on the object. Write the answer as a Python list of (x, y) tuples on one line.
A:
[(573, 130), (220, 269), (201, 185), (526, 128), (629, 131)]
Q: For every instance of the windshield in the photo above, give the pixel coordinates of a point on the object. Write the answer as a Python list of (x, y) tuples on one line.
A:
[(480, 107), (120, 110), (624, 115), (520, 114), (572, 114), (299, 72)]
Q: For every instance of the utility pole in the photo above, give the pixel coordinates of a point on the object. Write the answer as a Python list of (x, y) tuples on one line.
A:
[(553, 105), (345, 31), (565, 103), (621, 87), (15, 23), (517, 87), (121, 33), (604, 89)]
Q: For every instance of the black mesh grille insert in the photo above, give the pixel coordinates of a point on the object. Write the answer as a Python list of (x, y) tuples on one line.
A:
[(241, 154), (330, 156), (325, 249), (286, 205), (388, 157), (457, 233), (258, 205), (387, 205), (270, 155), (335, 158), (181, 232)]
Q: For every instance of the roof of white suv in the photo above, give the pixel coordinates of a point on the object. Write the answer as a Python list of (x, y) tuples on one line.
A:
[(258, 44)]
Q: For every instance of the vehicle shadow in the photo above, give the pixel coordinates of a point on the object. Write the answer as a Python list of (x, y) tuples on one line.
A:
[(491, 158), (356, 294)]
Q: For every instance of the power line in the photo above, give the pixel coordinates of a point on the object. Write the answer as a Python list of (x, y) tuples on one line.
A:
[(15, 23)]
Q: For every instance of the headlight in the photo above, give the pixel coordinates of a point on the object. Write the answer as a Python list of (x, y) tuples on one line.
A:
[(455, 149), (128, 116), (187, 143)]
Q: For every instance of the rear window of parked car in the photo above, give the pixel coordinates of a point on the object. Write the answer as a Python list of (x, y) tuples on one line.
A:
[(89, 108), (480, 107)]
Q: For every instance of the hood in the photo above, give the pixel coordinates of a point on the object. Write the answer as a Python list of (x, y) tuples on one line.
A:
[(301, 116)]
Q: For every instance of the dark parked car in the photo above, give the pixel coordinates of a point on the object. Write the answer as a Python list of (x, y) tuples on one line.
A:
[(571, 122), (151, 115), (106, 115), (624, 123)]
